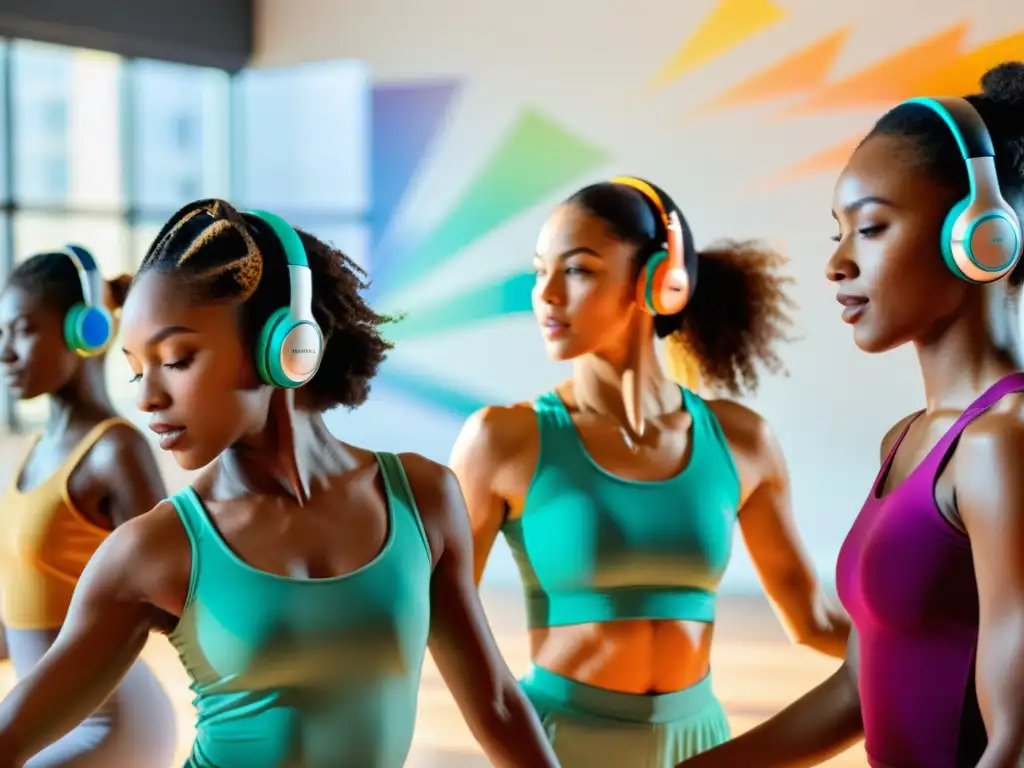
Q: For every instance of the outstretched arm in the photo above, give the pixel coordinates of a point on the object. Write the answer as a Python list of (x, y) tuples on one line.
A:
[(816, 727), (488, 695), (476, 459), (104, 633), (769, 530), (990, 500)]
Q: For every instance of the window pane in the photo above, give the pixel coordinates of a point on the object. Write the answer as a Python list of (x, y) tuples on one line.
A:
[(4, 191), (304, 137), (67, 133), (143, 236), (106, 237), (351, 238), (180, 123)]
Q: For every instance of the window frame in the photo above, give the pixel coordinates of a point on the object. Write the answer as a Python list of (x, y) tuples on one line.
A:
[(133, 212)]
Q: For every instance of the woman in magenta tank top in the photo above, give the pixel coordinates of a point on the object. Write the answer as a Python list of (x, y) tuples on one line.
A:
[(932, 571)]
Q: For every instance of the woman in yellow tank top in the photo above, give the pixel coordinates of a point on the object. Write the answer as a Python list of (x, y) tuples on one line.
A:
[(89, 471)]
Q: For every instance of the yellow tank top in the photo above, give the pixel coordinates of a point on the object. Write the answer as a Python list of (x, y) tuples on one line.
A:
[(45, 543)]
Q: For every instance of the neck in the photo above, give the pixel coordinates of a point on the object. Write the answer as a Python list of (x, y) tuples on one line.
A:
[(628, 386), (83, 398), (966, 356), (291, 455)]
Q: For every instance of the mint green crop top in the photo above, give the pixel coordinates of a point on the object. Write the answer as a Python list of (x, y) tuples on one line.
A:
[(593, 547), (320, 673)]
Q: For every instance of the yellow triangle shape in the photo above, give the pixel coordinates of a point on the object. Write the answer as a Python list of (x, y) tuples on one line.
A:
[(730, 23)]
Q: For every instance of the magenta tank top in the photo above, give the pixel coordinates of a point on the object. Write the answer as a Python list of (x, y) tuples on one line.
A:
[(906, 577)]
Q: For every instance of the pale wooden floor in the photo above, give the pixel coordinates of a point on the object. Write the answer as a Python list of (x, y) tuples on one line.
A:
[(756, 672)]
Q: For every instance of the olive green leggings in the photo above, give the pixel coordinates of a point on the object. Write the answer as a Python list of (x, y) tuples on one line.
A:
[(596, 728)]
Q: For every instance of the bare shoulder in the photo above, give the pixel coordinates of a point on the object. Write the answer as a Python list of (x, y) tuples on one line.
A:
[(152, 551), (434, 486), (148, 534), (497, 434), (439, 500), (747, 431), (119, 446), (894, 433), (121, 440), (989, 451)]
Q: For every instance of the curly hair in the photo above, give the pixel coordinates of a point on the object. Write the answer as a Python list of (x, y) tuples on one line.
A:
[(932, 148), (739, 311), (223, 255)]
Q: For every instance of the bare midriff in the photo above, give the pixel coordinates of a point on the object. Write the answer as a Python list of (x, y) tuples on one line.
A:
[(636, 656)]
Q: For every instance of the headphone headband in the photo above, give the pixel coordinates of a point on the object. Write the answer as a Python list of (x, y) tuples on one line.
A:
[(652, 196), (291, 243), (300, 276), (665, 286), (88, 327), (88, 274), (981, 234), (963, 121), (290, 345)]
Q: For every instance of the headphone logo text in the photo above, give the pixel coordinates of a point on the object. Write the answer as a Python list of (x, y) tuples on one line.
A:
[(303, 351)]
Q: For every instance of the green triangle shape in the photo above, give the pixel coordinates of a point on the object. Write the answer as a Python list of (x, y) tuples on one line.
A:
[(536, 158), (508, 296)]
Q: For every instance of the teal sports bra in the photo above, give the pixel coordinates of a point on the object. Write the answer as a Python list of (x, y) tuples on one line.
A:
[(310, 673), (594, 547)]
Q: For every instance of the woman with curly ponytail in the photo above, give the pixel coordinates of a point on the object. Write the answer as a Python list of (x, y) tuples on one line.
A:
[(619, 491)]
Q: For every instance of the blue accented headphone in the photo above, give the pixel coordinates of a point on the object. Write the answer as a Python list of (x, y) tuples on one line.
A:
[(290, 345), (981, 237), (88, 325)]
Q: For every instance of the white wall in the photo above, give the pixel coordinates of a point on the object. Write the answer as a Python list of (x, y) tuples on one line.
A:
[(588, 66)]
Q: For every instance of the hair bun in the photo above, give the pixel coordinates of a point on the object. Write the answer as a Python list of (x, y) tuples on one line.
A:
[(117, 291), (1004, 85)]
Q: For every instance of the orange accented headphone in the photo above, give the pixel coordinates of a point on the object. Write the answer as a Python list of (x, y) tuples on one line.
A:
[(666, 280)]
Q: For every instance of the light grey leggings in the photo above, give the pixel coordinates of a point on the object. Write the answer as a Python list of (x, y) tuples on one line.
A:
[(134, 728)]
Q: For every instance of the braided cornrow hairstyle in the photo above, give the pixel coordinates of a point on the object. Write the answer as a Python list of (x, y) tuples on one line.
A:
[(221, 255)]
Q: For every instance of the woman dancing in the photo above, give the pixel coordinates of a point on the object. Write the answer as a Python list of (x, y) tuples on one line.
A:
[(87, 474), (299, 576), (619, 491), (932, 572)]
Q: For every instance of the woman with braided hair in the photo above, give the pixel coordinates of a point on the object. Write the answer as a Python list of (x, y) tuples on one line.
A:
[(300, 578), (90, 472)]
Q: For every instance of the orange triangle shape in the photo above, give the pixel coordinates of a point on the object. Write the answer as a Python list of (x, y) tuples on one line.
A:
[(803, 71), (831, 160), (888, 81), (962, 76), (729, 23)]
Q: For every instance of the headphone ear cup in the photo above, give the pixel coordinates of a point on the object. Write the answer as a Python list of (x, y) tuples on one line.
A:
[(646, 285), (87, 330), (946, 238), (267, 354), (288, 351)]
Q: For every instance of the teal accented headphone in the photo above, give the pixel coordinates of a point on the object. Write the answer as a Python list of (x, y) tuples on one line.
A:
[(88, 326), (981, 237), (290, 345)]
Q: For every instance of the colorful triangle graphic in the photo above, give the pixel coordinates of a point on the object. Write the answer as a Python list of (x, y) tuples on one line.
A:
[(505, 297), (730, 23), (888, 81), (534, 160), (804, 71), (405, 120)]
